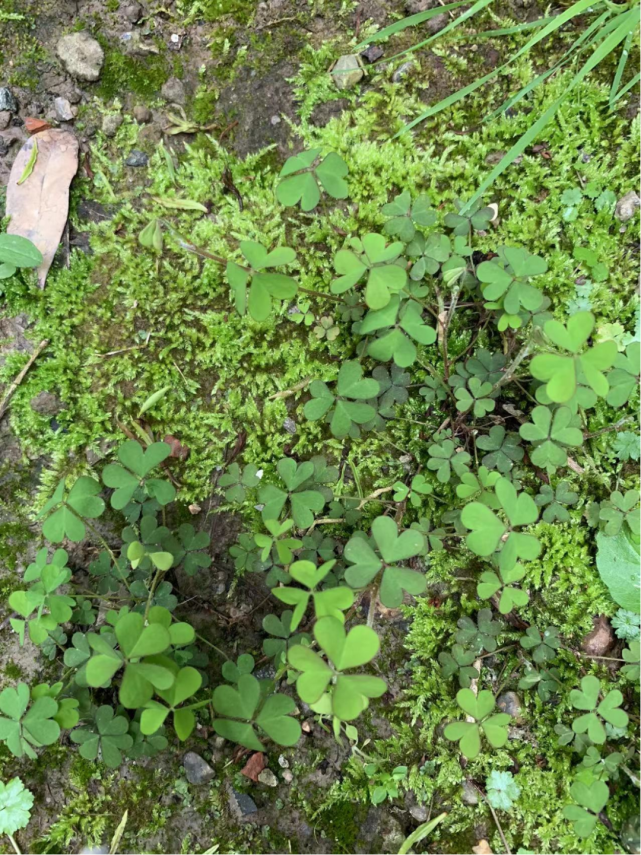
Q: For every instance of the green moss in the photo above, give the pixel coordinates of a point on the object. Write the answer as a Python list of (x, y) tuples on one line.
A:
[(122, 73)]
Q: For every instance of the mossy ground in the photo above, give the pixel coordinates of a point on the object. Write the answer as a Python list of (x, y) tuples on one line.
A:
[(123, 322)]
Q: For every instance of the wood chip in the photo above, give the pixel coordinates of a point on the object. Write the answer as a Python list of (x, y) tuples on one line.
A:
[(253, 767)]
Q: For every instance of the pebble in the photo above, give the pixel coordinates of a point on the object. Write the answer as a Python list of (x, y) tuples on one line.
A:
[(626, 206), (419, 813), (142, 113), (5, 119), (402, 71), (174, 91), (197, 770), (469, 793), (288, 777), (110, 124), (242, 804), (510, 703), (289, 425), (347, 71), (81, 55), (137, 158), (132, 12), (64, 110), (46, 404), (412, 7), (600, 639), (283, 762), (372, 53), (4, 147), (437, 23), (268, 778), (8, 100)]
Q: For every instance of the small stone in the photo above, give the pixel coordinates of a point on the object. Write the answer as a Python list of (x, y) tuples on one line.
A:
[(626, 206), (306, 727), (174, 91), (495, 213), (413, 7), (372, 53), (437, 23), (419, 813), (5, 119), (137, 158), (64, 110), (132, 12), (142, 113), (347, 71), (81, 55), (600, 639), (510, 703), (46, 404), (288, 776), (283, 762), (402, 71), (469, 793), (268, 778), (242, 804), (289, 425), (110, 124), (8, 100), (4, 147), (275, 120), (197, 770)]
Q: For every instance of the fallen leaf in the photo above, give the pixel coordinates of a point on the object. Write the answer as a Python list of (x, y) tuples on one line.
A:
[(39, 207), (483, 848), (253, 767), (34, 126), (178, 450)]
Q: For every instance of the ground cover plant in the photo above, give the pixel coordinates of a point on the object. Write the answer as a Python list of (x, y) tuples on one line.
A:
[(457, 475)]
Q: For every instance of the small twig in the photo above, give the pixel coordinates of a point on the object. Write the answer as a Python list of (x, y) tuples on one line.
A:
[(11, 390), (286, 393), (615, 426)]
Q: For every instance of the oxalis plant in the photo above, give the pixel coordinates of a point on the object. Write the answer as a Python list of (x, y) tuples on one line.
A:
[(512, 399)]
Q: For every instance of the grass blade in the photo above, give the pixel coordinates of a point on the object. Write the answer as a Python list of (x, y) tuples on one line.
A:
[(477, 7), (625, 54), (628, 86), (410, 21), (605, 48), (518, 28), (420, 833)]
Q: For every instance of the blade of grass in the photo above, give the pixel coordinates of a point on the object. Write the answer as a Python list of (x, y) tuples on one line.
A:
[(628, 86), (518, 28), (410, 21), (625, 54), (541, 78), (576, 9), (477, 7), (604, 49)]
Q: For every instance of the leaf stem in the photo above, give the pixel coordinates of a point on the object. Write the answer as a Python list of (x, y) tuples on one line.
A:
[(14, 844)]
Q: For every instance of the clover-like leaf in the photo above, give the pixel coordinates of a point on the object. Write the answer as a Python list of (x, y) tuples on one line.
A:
[(106, 737), (304, 502), (372, 256), (591, 799), (491, 583), (506, 281), (624, 377), (346, 409), (587, 698), (543, 647), (459, 662), (551, 433), (556, 501), (129, 477), (240, 709), (468, 734), (503, 449), (405, 216), (475, 398), (302, 174), (445, 457), (481, 635), (65, 510), (23, 725)]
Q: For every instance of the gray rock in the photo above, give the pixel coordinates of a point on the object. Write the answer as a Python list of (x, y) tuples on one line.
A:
[(197, 770), (110, 124), (469, 793), (288, 777), (46, 404), (8, 100), (347, 71), (283, 762), (289, 425), (437, 23), (372, 53), (402, 71), (4, 147), (64, 110), (81, 55), (132, 12), (242, 804), (510, 703), (626, 206), (142, 113), (137, 158), (268, 778), (419, 813), (5, 119), (174, 91), (412, 7)]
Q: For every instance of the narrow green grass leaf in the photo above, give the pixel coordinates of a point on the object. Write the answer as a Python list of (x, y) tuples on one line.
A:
[(623, 59), (33, 157), (509, 31), (628, 86), (410, 21)]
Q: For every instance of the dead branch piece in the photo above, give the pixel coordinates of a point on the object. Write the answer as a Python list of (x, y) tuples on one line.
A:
[(11, 390)]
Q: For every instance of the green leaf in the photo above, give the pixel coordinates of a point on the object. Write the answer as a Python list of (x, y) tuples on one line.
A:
[(18, 251), (617, 561), (15, 806)]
